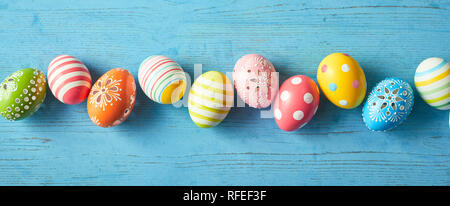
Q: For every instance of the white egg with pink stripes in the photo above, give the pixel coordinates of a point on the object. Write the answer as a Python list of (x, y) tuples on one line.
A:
[(162, 79), (69, 79)]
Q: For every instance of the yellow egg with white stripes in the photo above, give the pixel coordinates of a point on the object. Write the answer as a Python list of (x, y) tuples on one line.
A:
[(432, 80), (210, 99)]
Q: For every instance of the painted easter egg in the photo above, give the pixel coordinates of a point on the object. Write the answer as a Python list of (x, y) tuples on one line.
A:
[(255, 80), (162, 79), (342, 80), (69, 79), (210, 99), (22, 93), (388, 105), (432, 80), (112, 98), (296, 102)]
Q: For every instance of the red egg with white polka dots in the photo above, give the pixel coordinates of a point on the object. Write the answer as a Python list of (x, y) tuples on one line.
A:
[(296, 102)]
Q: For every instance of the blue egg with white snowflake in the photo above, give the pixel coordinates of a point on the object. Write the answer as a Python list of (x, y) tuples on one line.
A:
[(388, 105)]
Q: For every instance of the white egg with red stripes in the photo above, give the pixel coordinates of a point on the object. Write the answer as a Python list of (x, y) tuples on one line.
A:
[(69, 79), (162, 79)]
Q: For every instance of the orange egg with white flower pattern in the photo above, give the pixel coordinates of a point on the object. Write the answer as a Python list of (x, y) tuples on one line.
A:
[(112, 98)]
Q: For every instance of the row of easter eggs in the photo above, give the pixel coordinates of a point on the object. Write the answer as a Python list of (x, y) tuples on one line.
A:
[(111, 98)]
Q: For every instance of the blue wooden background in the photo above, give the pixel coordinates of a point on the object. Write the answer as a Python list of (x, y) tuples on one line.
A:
[(160, 145)]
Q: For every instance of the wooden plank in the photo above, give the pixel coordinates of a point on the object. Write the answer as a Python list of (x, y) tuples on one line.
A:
[(159, 144)]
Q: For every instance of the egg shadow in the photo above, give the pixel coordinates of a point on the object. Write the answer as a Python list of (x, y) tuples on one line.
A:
[(51, 111), (422, 118), (244, 123), (143, 111), (373, 76), (94, 70)]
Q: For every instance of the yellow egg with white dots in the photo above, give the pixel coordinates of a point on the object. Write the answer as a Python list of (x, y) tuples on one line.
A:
[(342, 80)]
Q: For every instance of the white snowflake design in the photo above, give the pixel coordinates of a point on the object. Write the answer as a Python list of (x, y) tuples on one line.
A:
[(390, 103)]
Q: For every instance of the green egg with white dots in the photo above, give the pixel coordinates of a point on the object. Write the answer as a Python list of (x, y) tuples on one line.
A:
[(22, 93)]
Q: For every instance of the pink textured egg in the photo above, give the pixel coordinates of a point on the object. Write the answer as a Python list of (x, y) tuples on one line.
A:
[(69, 79), (296, 102), (255, 80)]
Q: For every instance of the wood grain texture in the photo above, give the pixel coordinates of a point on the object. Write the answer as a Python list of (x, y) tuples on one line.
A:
[(160, 145)]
